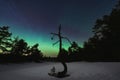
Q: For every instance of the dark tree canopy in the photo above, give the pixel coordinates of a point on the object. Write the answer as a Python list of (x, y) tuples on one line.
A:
[(106, 40), (74, 52), (36, 53), (15, 49), (74, 48), (19, 47), (5, 38)]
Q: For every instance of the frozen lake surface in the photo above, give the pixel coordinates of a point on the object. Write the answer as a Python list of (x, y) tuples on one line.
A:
[(77, 71)]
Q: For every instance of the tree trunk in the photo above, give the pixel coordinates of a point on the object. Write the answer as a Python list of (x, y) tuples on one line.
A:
[(63, 73), (65, 67), (60, 55)]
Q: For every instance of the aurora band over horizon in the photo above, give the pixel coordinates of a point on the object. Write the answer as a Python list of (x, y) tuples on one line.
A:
[(34, 20), (45, 43)]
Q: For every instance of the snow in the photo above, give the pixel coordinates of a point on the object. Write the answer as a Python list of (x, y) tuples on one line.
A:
[(77, 71)]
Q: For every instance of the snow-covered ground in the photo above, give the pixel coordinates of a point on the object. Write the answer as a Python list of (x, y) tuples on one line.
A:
[(77, 71)]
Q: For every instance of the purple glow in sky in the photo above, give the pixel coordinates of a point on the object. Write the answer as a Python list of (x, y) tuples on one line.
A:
[(34, 20)]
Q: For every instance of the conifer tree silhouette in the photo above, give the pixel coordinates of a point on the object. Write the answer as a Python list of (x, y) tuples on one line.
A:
[(105, 43), (5, 38)]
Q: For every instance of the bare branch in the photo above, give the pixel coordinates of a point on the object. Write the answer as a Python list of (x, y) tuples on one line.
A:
[(67, 39), (55, 43), (55, 34)]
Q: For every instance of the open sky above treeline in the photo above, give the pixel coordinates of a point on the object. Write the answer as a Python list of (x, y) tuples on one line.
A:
[(34, 20)]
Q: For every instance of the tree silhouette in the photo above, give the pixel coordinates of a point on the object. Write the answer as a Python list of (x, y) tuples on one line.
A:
[(61, 55), (74, 52), (15, 49), (19, 47), (5, 38), (36, 53), (106, 40)]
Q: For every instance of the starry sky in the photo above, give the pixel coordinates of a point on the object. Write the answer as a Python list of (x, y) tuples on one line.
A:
[(34, 20)]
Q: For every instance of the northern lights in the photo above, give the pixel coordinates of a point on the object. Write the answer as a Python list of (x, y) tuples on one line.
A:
[(34, 20)]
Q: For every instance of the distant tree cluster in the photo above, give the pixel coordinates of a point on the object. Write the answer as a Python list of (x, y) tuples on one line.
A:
[(74, 53), (17, 49)]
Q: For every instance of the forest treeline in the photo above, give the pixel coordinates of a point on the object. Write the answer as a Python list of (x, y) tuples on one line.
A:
[(15, 49), (104, 45)]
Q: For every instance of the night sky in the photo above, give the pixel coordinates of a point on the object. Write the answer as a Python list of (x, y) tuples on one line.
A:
[(34, 20)]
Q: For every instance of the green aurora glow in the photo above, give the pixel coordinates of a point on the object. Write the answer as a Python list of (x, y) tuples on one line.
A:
[(34, 20), (44, 41)]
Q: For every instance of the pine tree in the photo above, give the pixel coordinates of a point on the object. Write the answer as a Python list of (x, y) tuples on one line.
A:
[(5, 38), (106, 39)]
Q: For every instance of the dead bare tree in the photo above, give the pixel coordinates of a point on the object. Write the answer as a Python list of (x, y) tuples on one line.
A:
[(60, 57)]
